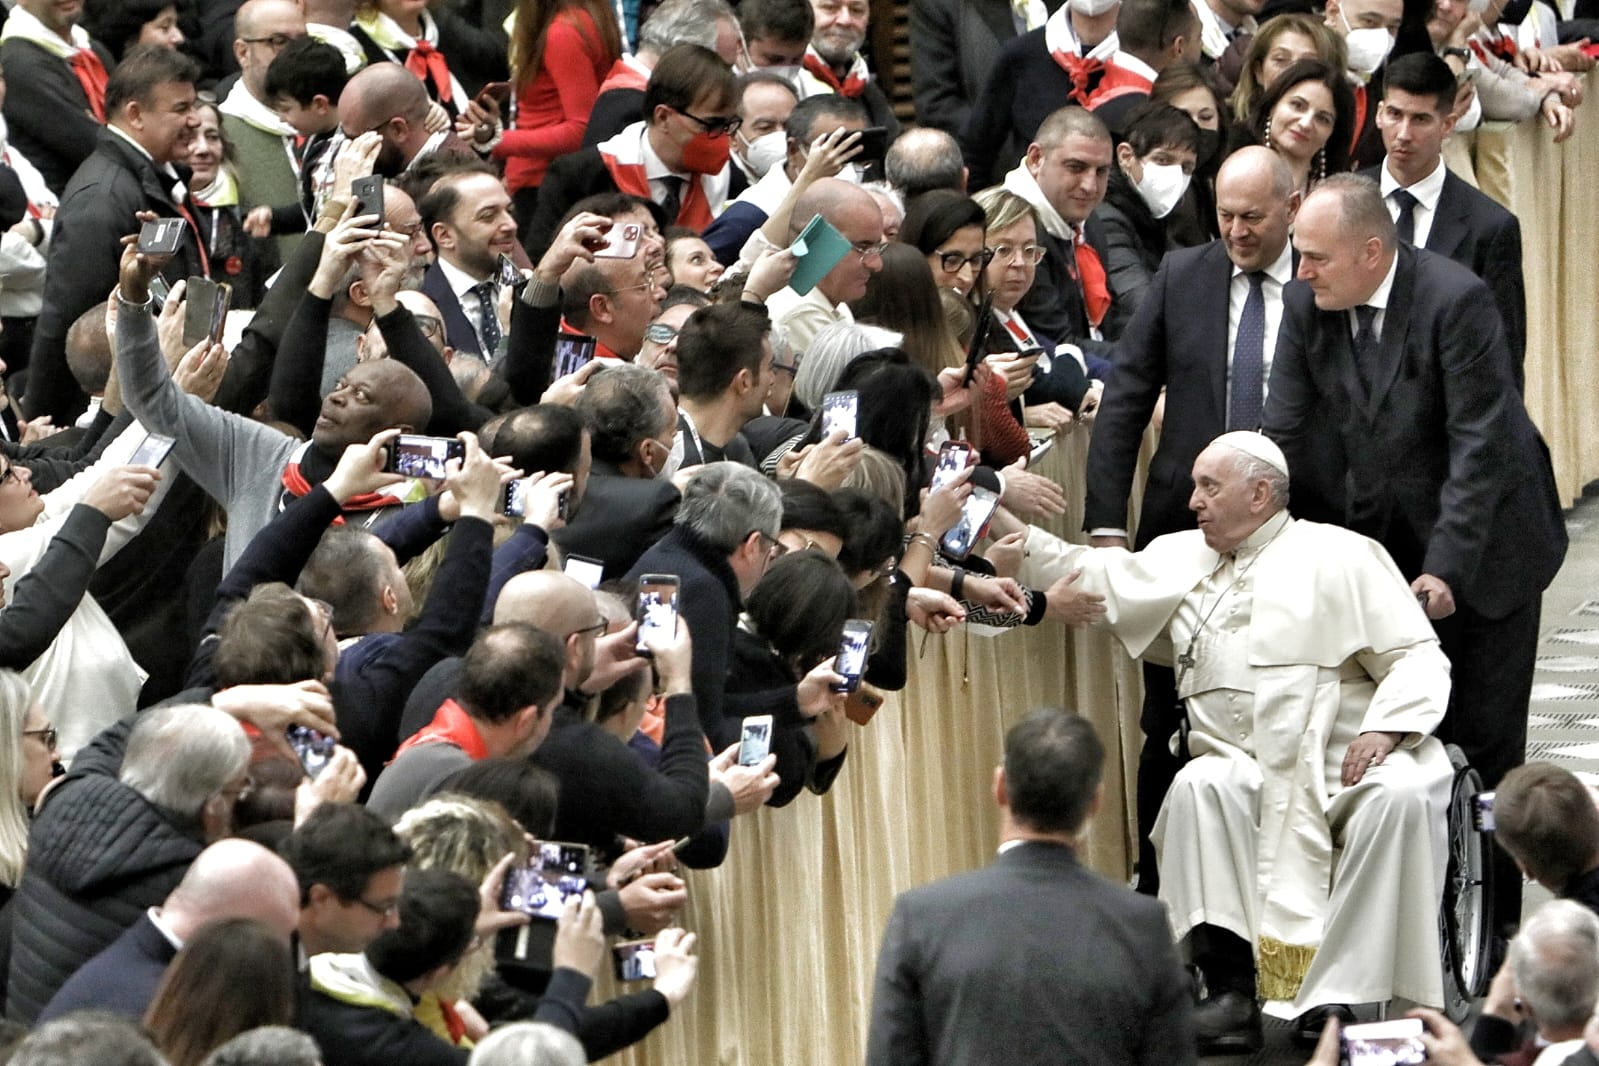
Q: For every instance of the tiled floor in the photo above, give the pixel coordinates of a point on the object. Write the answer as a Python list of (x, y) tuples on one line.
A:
[(1563, 722)]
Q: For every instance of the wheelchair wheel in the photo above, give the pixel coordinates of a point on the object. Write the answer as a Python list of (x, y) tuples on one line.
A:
[(1466, 918)]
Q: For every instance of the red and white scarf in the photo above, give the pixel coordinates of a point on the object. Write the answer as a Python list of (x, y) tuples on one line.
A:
[(624, 158)]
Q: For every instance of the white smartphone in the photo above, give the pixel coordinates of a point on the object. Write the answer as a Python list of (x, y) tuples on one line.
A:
[(589, 571), (756, 742)]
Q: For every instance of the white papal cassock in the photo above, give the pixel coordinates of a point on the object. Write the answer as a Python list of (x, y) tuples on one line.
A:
[(1290, 647)]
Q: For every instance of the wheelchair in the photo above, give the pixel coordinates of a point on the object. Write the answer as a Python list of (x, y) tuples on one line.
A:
[(1465, 921)]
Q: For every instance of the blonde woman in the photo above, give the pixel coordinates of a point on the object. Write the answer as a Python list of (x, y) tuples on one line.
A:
[(28, 757)]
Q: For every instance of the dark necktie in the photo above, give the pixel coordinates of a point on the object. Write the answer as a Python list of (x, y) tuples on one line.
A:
[(1368, 348), (1407, 215), (672, 202), (488, 318), (1247, 377)]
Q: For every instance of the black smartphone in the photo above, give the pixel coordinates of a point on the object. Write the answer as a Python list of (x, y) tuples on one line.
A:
[(205, 310), (634, 960), (161, 236), (1392, 1043), (954, 456), (368, 193), (498, 91), (657, 606), (851, 661), (315, 750), (151, 450), (873, 144), (553, 874), (979, 346), (160, 290), (415, 455), (975, 513), (841, 411), (573, 352)]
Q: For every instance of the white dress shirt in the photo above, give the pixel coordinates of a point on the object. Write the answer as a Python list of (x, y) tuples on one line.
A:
[(1426, 191), (1277, 274), (462, 284)]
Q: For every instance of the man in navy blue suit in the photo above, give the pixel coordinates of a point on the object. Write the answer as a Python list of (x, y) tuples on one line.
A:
[(230, 879), (1204, 333)]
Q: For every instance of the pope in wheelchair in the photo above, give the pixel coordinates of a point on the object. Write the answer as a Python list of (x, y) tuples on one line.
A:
[(1302, 847)]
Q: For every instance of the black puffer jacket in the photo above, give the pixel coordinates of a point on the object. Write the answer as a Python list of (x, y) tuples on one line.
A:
[(99, 854)]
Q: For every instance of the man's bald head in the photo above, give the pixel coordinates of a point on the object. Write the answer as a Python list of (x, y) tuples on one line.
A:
[(851, 210), (234, 879), (261, 28), (547, 599), (391, 100), (1256, 200)]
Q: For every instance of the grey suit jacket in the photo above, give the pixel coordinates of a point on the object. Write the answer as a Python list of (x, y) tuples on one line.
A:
[(955, 43), (1031, 960)]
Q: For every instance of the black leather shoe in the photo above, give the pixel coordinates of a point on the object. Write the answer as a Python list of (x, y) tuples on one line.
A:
[(1228, 1023), (1308, 1026)]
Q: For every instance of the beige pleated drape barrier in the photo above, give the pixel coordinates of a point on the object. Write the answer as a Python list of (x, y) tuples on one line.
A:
[(1554, 190), (789, 926)]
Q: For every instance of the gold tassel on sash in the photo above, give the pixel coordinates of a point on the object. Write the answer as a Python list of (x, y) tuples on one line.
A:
[(1281, 968)]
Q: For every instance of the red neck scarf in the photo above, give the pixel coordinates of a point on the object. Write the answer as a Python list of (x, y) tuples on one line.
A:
[(694, 210), (1081, 71), (1117, 81), (1090, 274), (429, 64), (852, 85), (451, 725), (296, 485), (92, 76)]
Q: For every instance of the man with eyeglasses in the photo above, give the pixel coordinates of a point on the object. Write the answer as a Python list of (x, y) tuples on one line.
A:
[(679, 157), (268, 160), (55, 97), (1204, 335), (151, 120), (351, 869), (852, 211), (834, 64)]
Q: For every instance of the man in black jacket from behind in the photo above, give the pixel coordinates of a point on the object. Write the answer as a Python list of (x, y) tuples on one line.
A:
[(111, 842)]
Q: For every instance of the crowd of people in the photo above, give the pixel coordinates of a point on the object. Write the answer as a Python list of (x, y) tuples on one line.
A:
[(459, 458)]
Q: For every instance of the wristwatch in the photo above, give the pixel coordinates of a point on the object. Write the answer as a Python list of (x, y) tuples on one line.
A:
[(1462, 54)]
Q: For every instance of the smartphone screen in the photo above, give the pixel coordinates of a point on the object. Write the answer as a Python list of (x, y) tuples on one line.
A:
[(1484, 802), (151, 450), (414, 455), (975, 513), (634, 960), (657, 606), (589, 571), (756, 740), (953, 457), (839, 411), (513, 498), (851, 663), (205, 310), (161, 236), (314, 749), (160, 290), (510, 277), (553, 874), (1390, 1043), (573, 351), (621, 242)]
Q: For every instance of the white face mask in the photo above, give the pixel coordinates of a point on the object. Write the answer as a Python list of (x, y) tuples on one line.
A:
[(765, 151), (1162, 185), (1091, 8), (787, 73), (1368, 47)]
